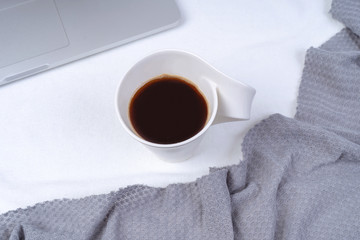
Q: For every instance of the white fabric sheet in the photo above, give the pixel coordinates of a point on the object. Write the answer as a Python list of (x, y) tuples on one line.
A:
[(59, 133)]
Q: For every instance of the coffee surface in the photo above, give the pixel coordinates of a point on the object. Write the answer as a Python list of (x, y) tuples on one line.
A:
[(168, 110)]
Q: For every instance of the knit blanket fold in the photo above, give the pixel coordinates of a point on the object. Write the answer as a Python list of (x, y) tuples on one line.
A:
[(300, 177)]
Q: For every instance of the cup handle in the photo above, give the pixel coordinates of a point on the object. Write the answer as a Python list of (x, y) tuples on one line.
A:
[(234, 99)]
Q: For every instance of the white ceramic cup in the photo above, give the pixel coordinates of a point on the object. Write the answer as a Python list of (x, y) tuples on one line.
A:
[(227, 99)]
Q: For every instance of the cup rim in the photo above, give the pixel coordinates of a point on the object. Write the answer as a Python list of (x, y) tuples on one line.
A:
[(171, 145)]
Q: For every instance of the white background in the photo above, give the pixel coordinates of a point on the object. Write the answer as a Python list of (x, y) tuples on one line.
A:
[(59, 133)]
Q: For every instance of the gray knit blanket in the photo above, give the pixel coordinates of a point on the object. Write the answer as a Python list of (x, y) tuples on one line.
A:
[(300, 178)]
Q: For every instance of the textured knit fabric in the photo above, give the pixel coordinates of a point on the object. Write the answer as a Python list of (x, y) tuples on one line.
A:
[(300, 178)]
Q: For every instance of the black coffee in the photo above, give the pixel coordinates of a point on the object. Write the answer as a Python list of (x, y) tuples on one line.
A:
[(168, 110)]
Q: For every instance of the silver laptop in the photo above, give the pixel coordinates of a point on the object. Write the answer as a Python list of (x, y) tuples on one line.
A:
[(37, 35)]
